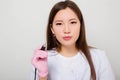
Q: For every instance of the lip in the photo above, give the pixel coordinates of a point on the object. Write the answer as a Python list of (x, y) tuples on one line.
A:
[(67, 37)]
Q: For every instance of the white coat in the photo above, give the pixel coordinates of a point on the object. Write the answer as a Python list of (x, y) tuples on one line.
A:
[(77, 67)]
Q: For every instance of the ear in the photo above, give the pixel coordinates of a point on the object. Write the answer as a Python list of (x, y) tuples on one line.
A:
[(52, 30)]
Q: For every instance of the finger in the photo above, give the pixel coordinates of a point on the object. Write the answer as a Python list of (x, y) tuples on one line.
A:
[(41, 53)]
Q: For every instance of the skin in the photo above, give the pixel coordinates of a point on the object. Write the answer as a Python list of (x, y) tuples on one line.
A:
[(66, 28)]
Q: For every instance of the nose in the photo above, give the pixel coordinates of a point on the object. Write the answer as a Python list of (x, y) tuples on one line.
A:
[(66, 29)]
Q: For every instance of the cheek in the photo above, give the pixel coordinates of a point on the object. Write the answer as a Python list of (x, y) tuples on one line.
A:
[(57, 31), (76, 33), (58, 35)]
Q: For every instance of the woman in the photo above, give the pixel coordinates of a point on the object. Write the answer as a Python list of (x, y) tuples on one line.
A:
[(68, 56)]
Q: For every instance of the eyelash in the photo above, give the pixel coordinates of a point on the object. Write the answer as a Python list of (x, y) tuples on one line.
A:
[(73, 22), (58, 23)]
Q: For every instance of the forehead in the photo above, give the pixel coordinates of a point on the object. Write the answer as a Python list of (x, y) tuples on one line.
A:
[(65, 14)]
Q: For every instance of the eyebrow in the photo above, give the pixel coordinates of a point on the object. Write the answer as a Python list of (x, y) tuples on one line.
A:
[(58, 21), (69, 20), (72, 19)]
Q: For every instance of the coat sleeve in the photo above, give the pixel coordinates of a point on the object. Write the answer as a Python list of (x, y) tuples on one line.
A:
[(105, 69)]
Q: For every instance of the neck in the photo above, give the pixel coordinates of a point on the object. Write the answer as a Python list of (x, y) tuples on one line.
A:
[(68, 51)]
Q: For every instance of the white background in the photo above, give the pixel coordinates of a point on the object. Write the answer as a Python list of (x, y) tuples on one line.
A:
[(23, 26)]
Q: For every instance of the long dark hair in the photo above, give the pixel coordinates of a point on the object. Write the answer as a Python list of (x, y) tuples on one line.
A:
[(81, 43)]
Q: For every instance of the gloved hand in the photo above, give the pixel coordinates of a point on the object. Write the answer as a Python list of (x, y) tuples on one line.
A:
[(40, 62)]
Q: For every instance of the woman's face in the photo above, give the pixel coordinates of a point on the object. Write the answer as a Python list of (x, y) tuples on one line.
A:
[(66, 27)]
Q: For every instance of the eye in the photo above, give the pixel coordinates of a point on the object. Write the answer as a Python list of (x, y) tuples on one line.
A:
[(73, 22), (58, 23)]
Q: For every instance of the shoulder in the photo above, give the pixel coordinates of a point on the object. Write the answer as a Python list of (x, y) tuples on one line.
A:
[(97, 52), (102, 65), (99, 57)]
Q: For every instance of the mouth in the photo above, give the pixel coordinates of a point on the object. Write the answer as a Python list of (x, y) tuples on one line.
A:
[(67, 38)]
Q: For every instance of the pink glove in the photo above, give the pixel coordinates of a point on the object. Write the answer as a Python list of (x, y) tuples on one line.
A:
[(40, 62)]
